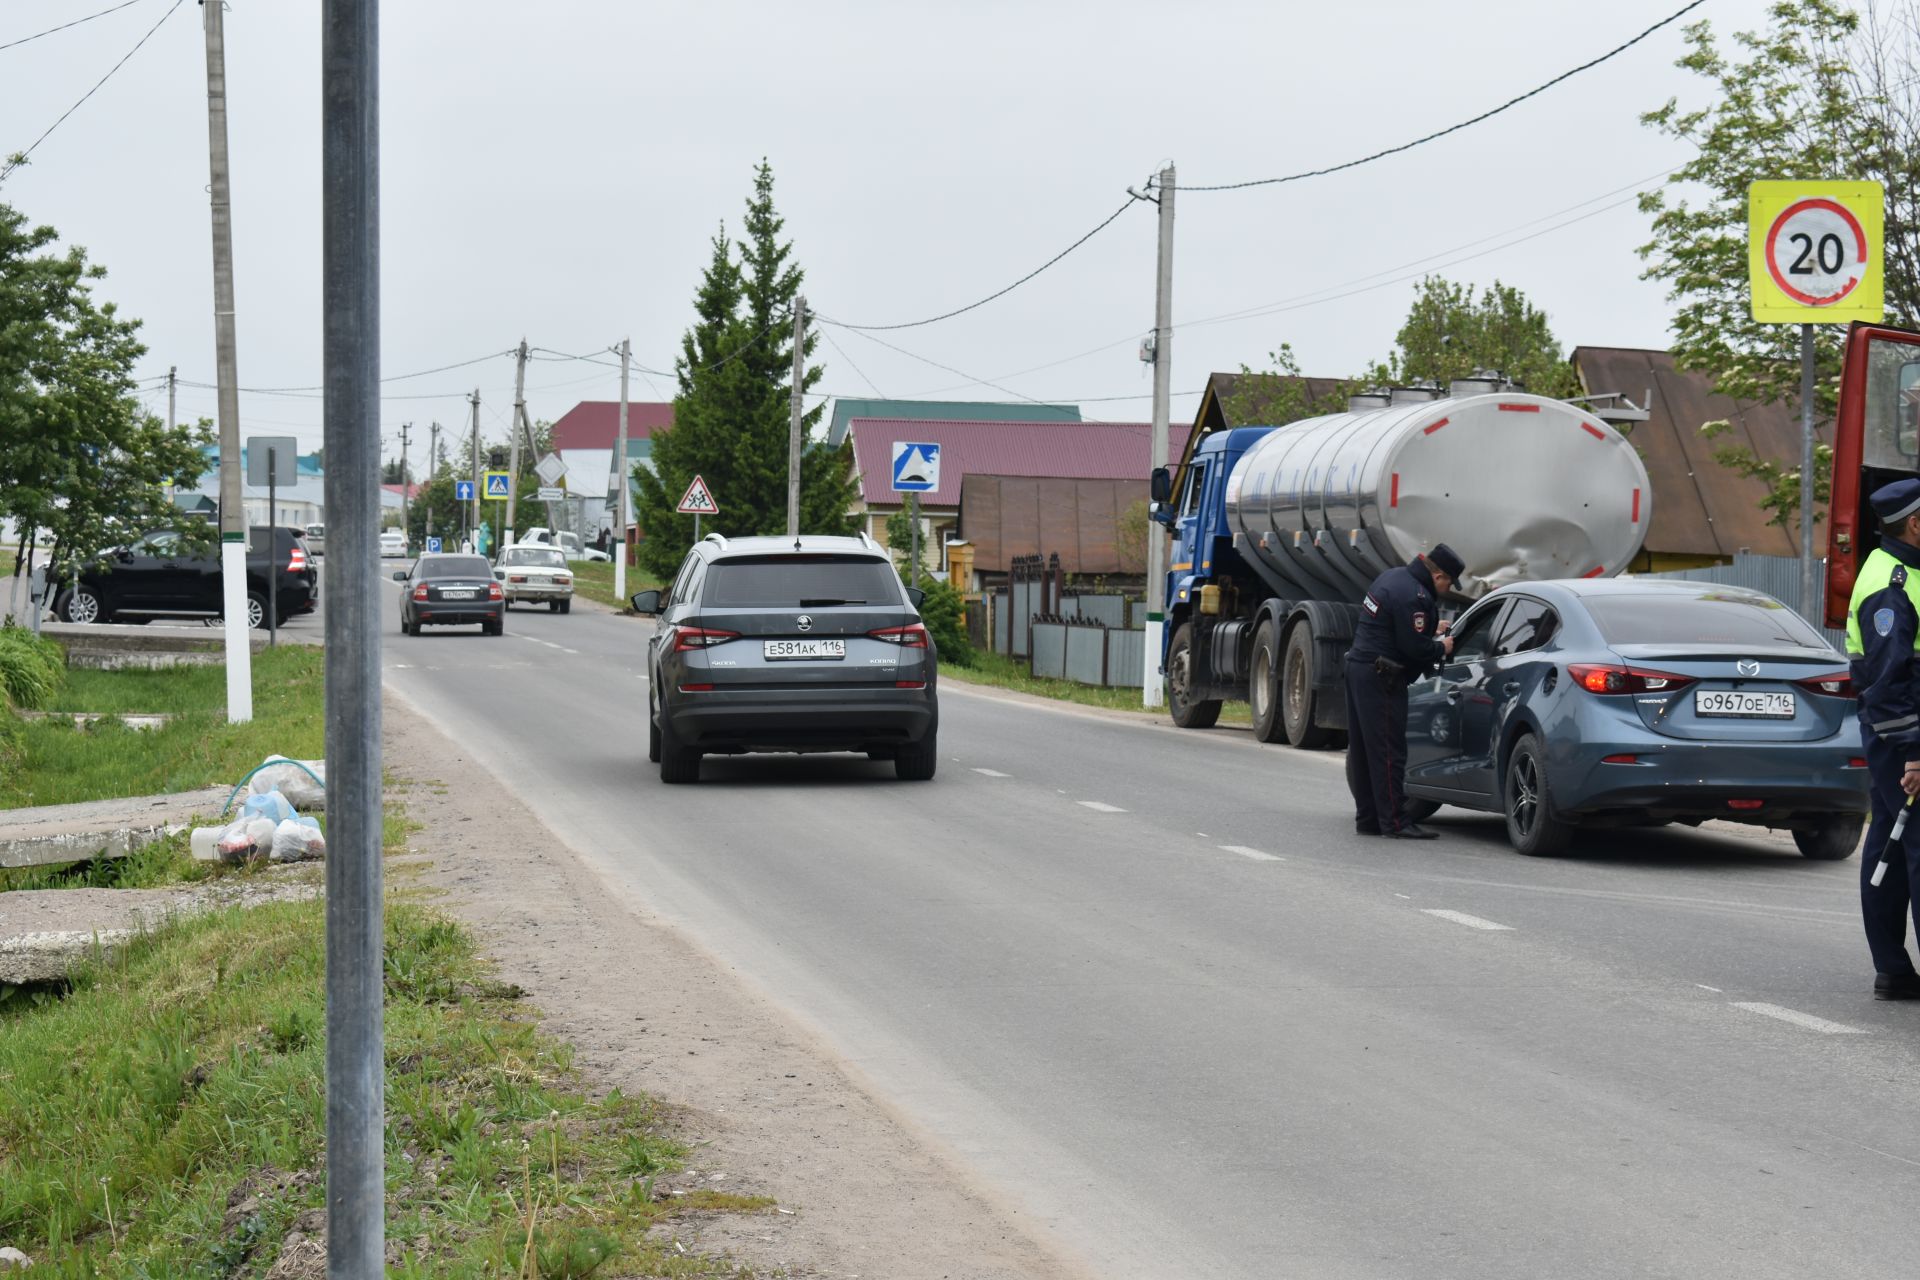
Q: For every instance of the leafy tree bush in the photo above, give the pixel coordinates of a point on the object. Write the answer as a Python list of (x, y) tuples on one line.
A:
[(945, 613)]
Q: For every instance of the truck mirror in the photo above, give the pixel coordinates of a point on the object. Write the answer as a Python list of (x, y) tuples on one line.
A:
[(1160, 487)]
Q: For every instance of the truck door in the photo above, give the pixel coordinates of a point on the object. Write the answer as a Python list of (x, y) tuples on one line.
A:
[(1188, 530), (1876, 441), (1446, 721)]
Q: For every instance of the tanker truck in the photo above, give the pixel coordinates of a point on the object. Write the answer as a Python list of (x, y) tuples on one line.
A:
[(1279, 531)]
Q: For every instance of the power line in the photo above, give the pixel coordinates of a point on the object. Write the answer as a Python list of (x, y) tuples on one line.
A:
[(856, 368), (1484, 115), (398, 377), (961, 373), (21, 158), (126, 4), (960, 311)]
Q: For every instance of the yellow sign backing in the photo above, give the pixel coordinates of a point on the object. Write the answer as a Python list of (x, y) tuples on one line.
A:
[(1814, 251)]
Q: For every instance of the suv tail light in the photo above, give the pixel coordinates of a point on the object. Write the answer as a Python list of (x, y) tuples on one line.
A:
[(689, 638), (1603, 678), (908, 637), (1837, 685), (494, 592), (298, 560)]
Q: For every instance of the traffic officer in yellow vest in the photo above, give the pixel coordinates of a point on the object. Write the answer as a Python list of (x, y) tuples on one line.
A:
[(1883, 641)]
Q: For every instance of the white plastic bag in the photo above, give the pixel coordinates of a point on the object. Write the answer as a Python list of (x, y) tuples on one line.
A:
[(270, 804), (298, 839), (293, 782)]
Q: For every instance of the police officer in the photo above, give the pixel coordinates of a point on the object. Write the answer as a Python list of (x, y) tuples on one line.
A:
[(1883, 640), (1398, 640)]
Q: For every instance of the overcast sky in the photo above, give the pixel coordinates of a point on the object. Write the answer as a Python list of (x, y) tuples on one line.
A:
[(555, 170)]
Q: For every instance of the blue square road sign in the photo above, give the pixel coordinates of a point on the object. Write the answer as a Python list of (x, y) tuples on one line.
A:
[(916, 466), (463, 491)]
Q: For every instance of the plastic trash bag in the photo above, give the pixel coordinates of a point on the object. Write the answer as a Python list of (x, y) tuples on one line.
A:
[(298, 839), (293, 782), (270, 805)]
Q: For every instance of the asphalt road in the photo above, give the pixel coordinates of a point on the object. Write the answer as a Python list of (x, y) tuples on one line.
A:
[(1149, 984)]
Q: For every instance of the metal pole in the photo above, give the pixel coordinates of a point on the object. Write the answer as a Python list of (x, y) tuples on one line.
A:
[(356, 1201), (233, 514), (913, 514), (473, 520), (793, 429), (1162, 374), (406, 524), (513, 444), (433, 464), (1810, 609), (620, 485), (273, 550)]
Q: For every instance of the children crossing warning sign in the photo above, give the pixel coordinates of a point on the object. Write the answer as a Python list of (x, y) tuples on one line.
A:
[(698, 500)]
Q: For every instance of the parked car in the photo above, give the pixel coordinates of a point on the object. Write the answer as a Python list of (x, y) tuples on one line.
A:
[(536, 574), (1635, 702), (393, 542), (158, 575), (782, 644), (568, 543), (451, 589), (316, 539)]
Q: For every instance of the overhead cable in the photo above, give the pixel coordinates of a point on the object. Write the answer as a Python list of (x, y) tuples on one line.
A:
[(125, 4), (21, 158)]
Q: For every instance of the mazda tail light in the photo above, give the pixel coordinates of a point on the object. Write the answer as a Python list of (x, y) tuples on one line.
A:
[(1605, 678), (909, 637), (1838, 684), (686, 639)]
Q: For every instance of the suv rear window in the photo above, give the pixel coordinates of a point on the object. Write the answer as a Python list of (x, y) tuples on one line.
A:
[(793, 581), (1707, 618), (455, 567)]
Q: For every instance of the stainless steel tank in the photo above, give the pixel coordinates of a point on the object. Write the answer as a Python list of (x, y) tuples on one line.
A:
[(1523, 487)]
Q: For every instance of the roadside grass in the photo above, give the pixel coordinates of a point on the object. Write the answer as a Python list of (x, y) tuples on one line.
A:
[(999, 671), (52, 762), (166, 1117), (594, 580)]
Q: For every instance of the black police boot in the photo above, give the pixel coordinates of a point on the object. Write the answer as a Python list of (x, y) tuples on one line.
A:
[(1412, 831), (1366, 828), (1896, 986)]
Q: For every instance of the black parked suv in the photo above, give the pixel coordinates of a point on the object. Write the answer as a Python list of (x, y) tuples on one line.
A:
[(158, 576), (782, 644)]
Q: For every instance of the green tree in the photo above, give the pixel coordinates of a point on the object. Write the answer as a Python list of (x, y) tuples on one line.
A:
[(944, 611), (82, 466), (1821, 93), (1450, 333), (732, 412)]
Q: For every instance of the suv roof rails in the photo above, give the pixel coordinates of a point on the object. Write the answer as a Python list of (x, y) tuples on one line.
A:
[(867, 539), (717, 539)]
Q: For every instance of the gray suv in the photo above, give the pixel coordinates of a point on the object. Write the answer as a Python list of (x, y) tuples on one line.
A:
[(785, 644)]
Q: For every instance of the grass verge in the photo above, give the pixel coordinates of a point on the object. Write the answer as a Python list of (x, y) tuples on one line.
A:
[(166, 1118), (51, 762), (998, 671), (593, 580)]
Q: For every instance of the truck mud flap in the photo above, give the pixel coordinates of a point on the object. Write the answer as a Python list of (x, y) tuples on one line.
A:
[(1332, 625)]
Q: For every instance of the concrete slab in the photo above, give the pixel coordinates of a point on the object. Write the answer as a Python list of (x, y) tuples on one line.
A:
[(114, 646), (48, 835)]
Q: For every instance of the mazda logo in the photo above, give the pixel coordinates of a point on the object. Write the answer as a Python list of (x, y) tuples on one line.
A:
[(1747, 667), (806, 624)]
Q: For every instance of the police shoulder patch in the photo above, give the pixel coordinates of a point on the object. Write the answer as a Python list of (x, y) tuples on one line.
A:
[(1899, 578), (1419, 621), (1371, 605), (1883, 621)]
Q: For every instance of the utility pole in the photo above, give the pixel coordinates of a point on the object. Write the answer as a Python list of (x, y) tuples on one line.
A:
[(620, 481), (513, 443), (1810, 608), (405, 524), (793, 430), (433, 468), (473, 520), (356, 928), (233, 513), (1162, 376), (173, 389)]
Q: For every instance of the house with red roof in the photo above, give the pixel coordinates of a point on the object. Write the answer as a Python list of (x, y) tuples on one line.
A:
[(584, 437)]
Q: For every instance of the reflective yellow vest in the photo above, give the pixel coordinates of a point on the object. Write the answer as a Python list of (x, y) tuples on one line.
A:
[(1876, 575)]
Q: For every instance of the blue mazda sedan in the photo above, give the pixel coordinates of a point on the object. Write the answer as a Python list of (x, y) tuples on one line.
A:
[(1639, 702)]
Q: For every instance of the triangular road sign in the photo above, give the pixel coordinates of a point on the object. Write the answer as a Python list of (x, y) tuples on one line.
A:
[(698, 500)]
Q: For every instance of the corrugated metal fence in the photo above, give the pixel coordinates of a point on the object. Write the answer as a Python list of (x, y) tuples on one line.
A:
[(1778, 576), (1094, 638)]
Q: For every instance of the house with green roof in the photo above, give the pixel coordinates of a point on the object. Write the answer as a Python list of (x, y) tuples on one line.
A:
[(845, 411)]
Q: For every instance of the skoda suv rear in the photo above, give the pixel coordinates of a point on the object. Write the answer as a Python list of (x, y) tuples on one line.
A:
[(777, 644)]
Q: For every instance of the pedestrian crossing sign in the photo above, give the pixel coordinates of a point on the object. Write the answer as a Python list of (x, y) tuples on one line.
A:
[(698, 500), (496, 484), (916, 466)]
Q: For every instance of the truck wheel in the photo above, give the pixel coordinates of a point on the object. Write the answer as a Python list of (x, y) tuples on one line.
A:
[(1263, 685), (1836, 837), (1186, 712), (1532, 825), (1296, 692)]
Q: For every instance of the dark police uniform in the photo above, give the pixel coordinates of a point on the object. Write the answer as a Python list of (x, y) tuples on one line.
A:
[(1394, 645), (1883, 641)]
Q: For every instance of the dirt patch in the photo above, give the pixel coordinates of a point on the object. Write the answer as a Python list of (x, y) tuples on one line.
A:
[(768, 1109)]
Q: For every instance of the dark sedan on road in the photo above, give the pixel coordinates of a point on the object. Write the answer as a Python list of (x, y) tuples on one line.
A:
[(451, 590), (1636, 702)]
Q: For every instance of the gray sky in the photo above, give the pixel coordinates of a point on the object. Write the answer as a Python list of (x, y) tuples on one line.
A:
[(554, 170)]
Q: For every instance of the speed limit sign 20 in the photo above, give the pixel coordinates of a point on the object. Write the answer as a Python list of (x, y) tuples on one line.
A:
[(1814, 251)]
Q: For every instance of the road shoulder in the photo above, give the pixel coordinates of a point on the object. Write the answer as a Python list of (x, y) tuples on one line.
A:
[(771, 1109)]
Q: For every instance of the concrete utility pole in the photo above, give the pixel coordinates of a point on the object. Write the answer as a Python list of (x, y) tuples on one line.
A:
[(1810, 608), (173, 390), (1162, 374), (233, 512), (350, 277), (474, 522), (620, 481), (433, 467), (405, 427), (799, 403), (513, 443)]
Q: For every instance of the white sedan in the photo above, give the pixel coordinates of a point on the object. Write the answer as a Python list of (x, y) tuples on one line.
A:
[(393, 543)]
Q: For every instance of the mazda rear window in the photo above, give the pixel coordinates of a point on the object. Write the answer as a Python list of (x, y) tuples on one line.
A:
[(1708, 618), (456, 567), (797, 581)]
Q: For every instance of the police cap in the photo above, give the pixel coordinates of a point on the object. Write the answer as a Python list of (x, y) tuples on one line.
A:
[(1448, 561), (1895, 502)]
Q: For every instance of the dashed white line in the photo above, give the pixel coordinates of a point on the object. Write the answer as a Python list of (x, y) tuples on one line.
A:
[(1704, 987), (1799, 1019), (1100, 807), (1255, 854), (1461, 917), (1404, 897), (992, 773)]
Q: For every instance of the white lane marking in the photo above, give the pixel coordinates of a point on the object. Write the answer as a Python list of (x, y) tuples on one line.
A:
[(1404, 897), (1704, 987), (1461, 917), (1255, 854), (992, 773), (1203, 835), (574, 652), (1799, 1019), (1099, 807)]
